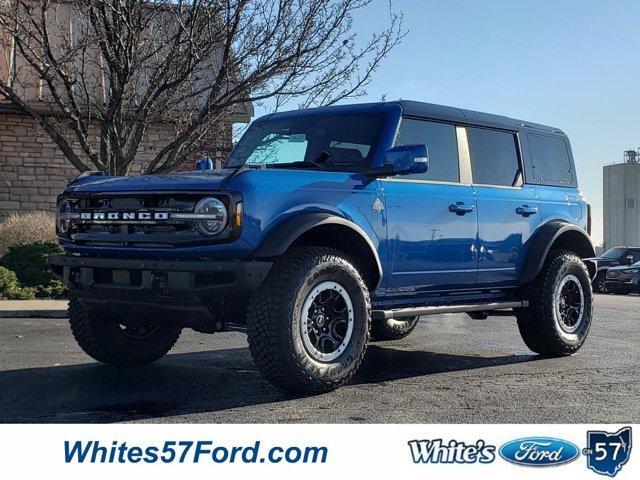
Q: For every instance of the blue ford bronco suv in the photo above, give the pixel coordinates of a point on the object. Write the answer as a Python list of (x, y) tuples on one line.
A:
[(330, 227)]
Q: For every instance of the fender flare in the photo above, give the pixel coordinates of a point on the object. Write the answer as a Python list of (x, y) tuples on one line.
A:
[(544, 239), (281, 237)]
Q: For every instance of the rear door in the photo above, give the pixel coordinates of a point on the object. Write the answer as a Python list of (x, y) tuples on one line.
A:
[(431, 217), (508, 211)]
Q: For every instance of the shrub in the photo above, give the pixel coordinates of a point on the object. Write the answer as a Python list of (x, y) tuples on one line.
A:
[(23, 293), (8, 280), (10, 288), (29, 262), (27, 228), (55, 289)]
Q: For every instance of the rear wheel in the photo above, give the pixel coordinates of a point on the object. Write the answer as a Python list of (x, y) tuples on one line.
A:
[(560, 308), (119, 342), (308, 325), (392, 328)]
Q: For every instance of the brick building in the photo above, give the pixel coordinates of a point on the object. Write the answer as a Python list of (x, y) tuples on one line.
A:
[(33, 171)]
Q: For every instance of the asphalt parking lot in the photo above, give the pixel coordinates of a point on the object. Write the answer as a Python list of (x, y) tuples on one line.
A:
[(451, 369)]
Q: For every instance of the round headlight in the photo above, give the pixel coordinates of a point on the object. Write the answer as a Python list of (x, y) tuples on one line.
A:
[(211, 216), (63, 221)]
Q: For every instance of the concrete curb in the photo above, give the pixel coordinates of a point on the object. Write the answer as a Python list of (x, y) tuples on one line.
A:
[(33, 308)]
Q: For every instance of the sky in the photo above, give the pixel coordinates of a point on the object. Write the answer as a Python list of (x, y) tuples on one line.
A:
[(569, 64)]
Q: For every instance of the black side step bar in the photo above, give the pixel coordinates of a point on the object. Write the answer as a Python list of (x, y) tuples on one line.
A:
[(433, 310)]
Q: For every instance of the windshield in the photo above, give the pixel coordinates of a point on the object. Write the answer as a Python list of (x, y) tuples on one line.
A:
[(612, 253), (338, 140)]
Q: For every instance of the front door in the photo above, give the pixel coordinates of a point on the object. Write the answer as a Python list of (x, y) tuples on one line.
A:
[(431, 217)]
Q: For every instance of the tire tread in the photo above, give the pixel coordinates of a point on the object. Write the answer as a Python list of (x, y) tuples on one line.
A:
[(272, 349), (85, 335), (535, 323)]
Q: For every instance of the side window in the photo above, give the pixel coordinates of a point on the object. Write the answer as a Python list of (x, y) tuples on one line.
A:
[(494, 157), (549, 159), (442, 145), (635, 254)]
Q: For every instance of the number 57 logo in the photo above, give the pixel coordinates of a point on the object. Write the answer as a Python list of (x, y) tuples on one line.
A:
[(607, 452)]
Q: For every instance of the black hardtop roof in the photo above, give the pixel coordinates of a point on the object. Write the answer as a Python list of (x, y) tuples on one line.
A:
[(430, 110), (425, 110)]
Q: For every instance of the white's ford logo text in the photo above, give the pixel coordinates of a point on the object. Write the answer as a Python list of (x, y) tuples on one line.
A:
[(437, 451)]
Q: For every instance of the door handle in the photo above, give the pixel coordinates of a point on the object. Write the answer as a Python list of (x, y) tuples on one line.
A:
[(459, 208), (526, 210)]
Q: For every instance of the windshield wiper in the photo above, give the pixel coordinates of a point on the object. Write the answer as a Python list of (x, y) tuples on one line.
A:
[(300, 164), (322, 158), (319, 161)]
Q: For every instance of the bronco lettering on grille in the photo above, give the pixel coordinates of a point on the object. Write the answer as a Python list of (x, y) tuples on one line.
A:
[(123, 216)]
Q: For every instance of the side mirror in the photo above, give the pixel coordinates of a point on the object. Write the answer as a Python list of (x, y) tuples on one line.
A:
[(205, 163), (406, 159)]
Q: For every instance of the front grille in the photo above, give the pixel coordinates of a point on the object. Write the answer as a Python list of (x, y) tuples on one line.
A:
[(135, 233)]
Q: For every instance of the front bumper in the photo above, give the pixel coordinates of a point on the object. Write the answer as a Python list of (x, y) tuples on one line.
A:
[(622, 284), (171, 290)]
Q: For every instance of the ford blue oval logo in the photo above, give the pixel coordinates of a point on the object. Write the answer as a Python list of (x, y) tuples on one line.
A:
[(539, 451)]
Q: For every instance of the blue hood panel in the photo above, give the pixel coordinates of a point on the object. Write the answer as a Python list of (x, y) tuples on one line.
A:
[(182, 181)]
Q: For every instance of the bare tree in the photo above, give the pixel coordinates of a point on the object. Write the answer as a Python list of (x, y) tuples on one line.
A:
[(105, 70)]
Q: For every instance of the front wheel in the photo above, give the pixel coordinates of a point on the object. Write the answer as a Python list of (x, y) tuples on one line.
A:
[(120, 342), (558, 318), (308, 325)]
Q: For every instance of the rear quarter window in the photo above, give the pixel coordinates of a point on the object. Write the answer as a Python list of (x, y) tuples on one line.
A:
[(550, 162)]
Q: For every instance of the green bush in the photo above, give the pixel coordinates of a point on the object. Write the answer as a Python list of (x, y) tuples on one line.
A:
[(24, 293), (29, 262), (8, 280), (55, 289), (11, 289), (25, 273)]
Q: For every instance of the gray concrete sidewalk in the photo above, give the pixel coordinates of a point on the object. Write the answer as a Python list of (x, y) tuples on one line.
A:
[(33, 308)]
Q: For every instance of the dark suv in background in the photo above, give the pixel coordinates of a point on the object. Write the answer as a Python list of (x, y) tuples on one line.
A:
[(624, 279), (614, 257)]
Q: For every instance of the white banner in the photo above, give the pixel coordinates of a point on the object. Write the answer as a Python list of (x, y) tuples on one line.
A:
[(319, 451)]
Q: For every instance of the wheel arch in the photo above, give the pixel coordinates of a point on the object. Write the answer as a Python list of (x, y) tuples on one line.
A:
[(329, 230), (555, 235)]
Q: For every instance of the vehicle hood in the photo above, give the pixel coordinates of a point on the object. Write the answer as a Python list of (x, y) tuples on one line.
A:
[(187, 181), (622, 267), (603, 261)]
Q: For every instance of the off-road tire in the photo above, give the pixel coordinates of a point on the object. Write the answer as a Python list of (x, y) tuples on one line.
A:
[(273, 321), (539, 324), (101, 338), (599, 284), (393, 329)]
